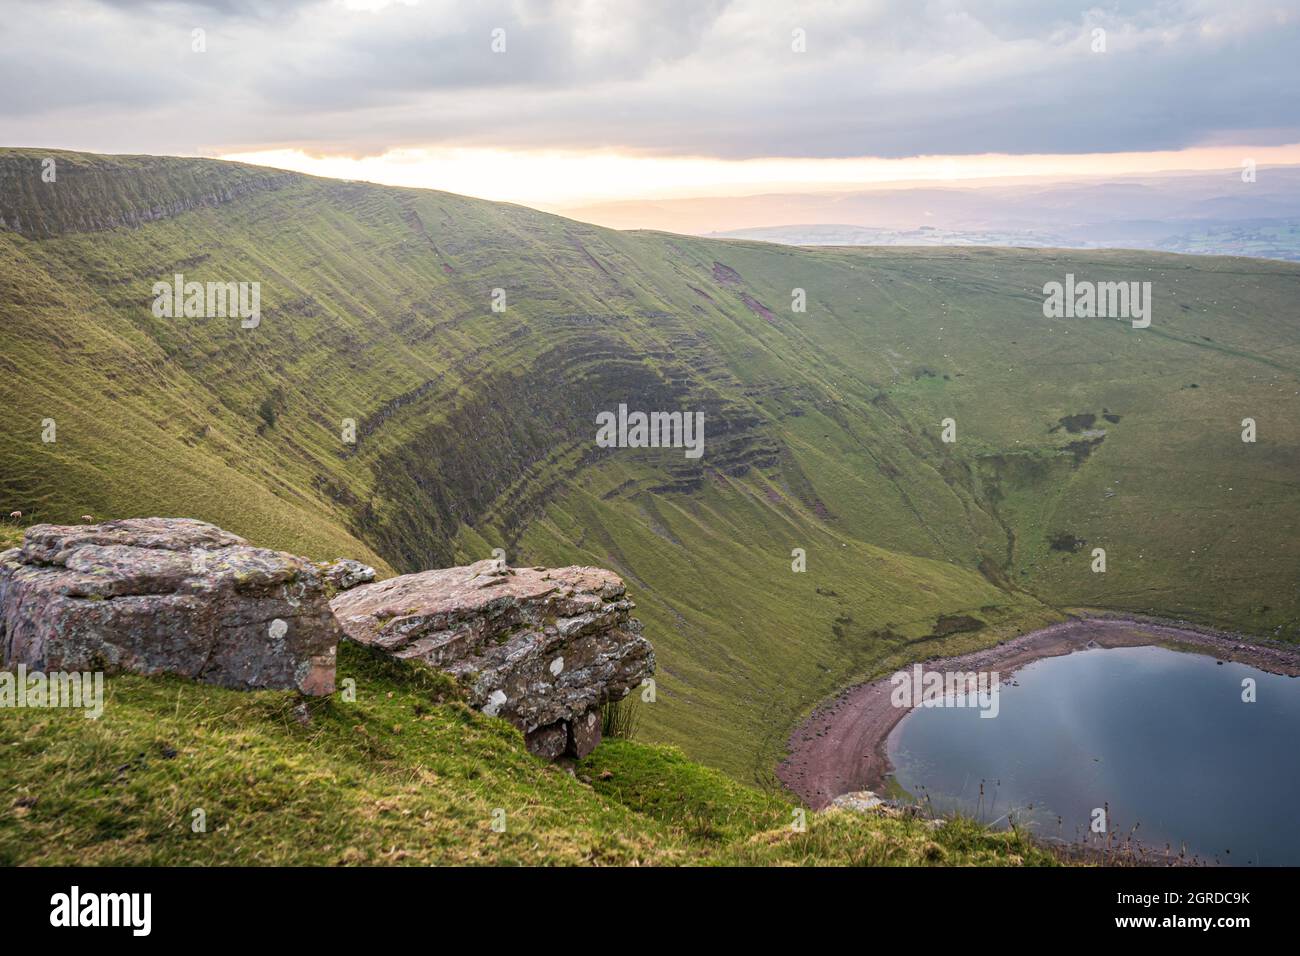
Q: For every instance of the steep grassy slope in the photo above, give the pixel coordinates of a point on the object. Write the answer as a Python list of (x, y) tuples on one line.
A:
[(475, 428), (406, 774)]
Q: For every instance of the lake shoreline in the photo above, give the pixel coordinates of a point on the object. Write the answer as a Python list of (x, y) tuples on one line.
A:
[(841, 746)]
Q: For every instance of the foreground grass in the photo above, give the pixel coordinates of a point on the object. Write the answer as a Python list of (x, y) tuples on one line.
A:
[(406, 774)]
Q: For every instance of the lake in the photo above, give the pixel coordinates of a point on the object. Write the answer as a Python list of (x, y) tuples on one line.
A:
[(1163, 738)]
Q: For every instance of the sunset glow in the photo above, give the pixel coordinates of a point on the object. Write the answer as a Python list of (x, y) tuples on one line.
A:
[(559, 180)]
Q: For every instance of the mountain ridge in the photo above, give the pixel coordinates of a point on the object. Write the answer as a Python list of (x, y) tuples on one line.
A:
[(475, 430)]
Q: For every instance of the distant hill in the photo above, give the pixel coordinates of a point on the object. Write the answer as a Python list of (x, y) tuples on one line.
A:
[(475, 429), (1206, 213), (1257, 238)]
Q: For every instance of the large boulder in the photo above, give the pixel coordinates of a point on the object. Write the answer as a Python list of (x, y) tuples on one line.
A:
[(543, 648), (166, 596)]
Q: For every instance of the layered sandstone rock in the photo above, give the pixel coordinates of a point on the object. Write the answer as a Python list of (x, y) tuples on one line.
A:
[(166, 596), (543, 648)]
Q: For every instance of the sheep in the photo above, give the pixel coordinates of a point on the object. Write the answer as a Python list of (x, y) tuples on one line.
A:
[(88, 519), (16, 515)]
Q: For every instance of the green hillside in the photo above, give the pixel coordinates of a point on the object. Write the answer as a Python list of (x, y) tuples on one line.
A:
[(475, 429), (405, 775)]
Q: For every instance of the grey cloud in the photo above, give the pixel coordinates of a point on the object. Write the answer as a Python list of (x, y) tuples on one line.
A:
[(268, 9), (716, 78)]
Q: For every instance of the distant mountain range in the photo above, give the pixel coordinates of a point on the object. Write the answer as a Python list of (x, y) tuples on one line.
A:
[(1261, 238), (1209, 213)]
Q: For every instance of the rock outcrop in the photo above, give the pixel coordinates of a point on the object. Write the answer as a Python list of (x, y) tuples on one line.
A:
[(543, 648), (344, 573), (860, 800), (166, 596)]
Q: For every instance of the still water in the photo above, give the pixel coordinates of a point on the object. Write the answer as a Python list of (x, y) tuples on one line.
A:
[(1161, 737)]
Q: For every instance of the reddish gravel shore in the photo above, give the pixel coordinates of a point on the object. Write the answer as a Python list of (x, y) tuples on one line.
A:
[(841, 747)]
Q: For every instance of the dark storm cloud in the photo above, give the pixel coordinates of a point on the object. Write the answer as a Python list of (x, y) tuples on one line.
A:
[(717, 78)]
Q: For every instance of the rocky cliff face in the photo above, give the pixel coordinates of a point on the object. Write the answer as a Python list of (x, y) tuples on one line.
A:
[(543, 648), (166, 596)]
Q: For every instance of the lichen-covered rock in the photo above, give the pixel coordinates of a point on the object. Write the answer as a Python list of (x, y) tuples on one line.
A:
[(550, 742), (584, 733), (540, 647), (166, 596), (859, 800), (342, 574)]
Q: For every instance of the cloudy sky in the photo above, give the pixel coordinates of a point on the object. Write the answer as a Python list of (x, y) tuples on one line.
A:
[(590, 101)]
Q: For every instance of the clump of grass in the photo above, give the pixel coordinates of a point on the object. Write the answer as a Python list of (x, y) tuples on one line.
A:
[(620, 719)]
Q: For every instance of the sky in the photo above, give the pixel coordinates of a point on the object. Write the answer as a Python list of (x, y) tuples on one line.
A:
[(562, 103)]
